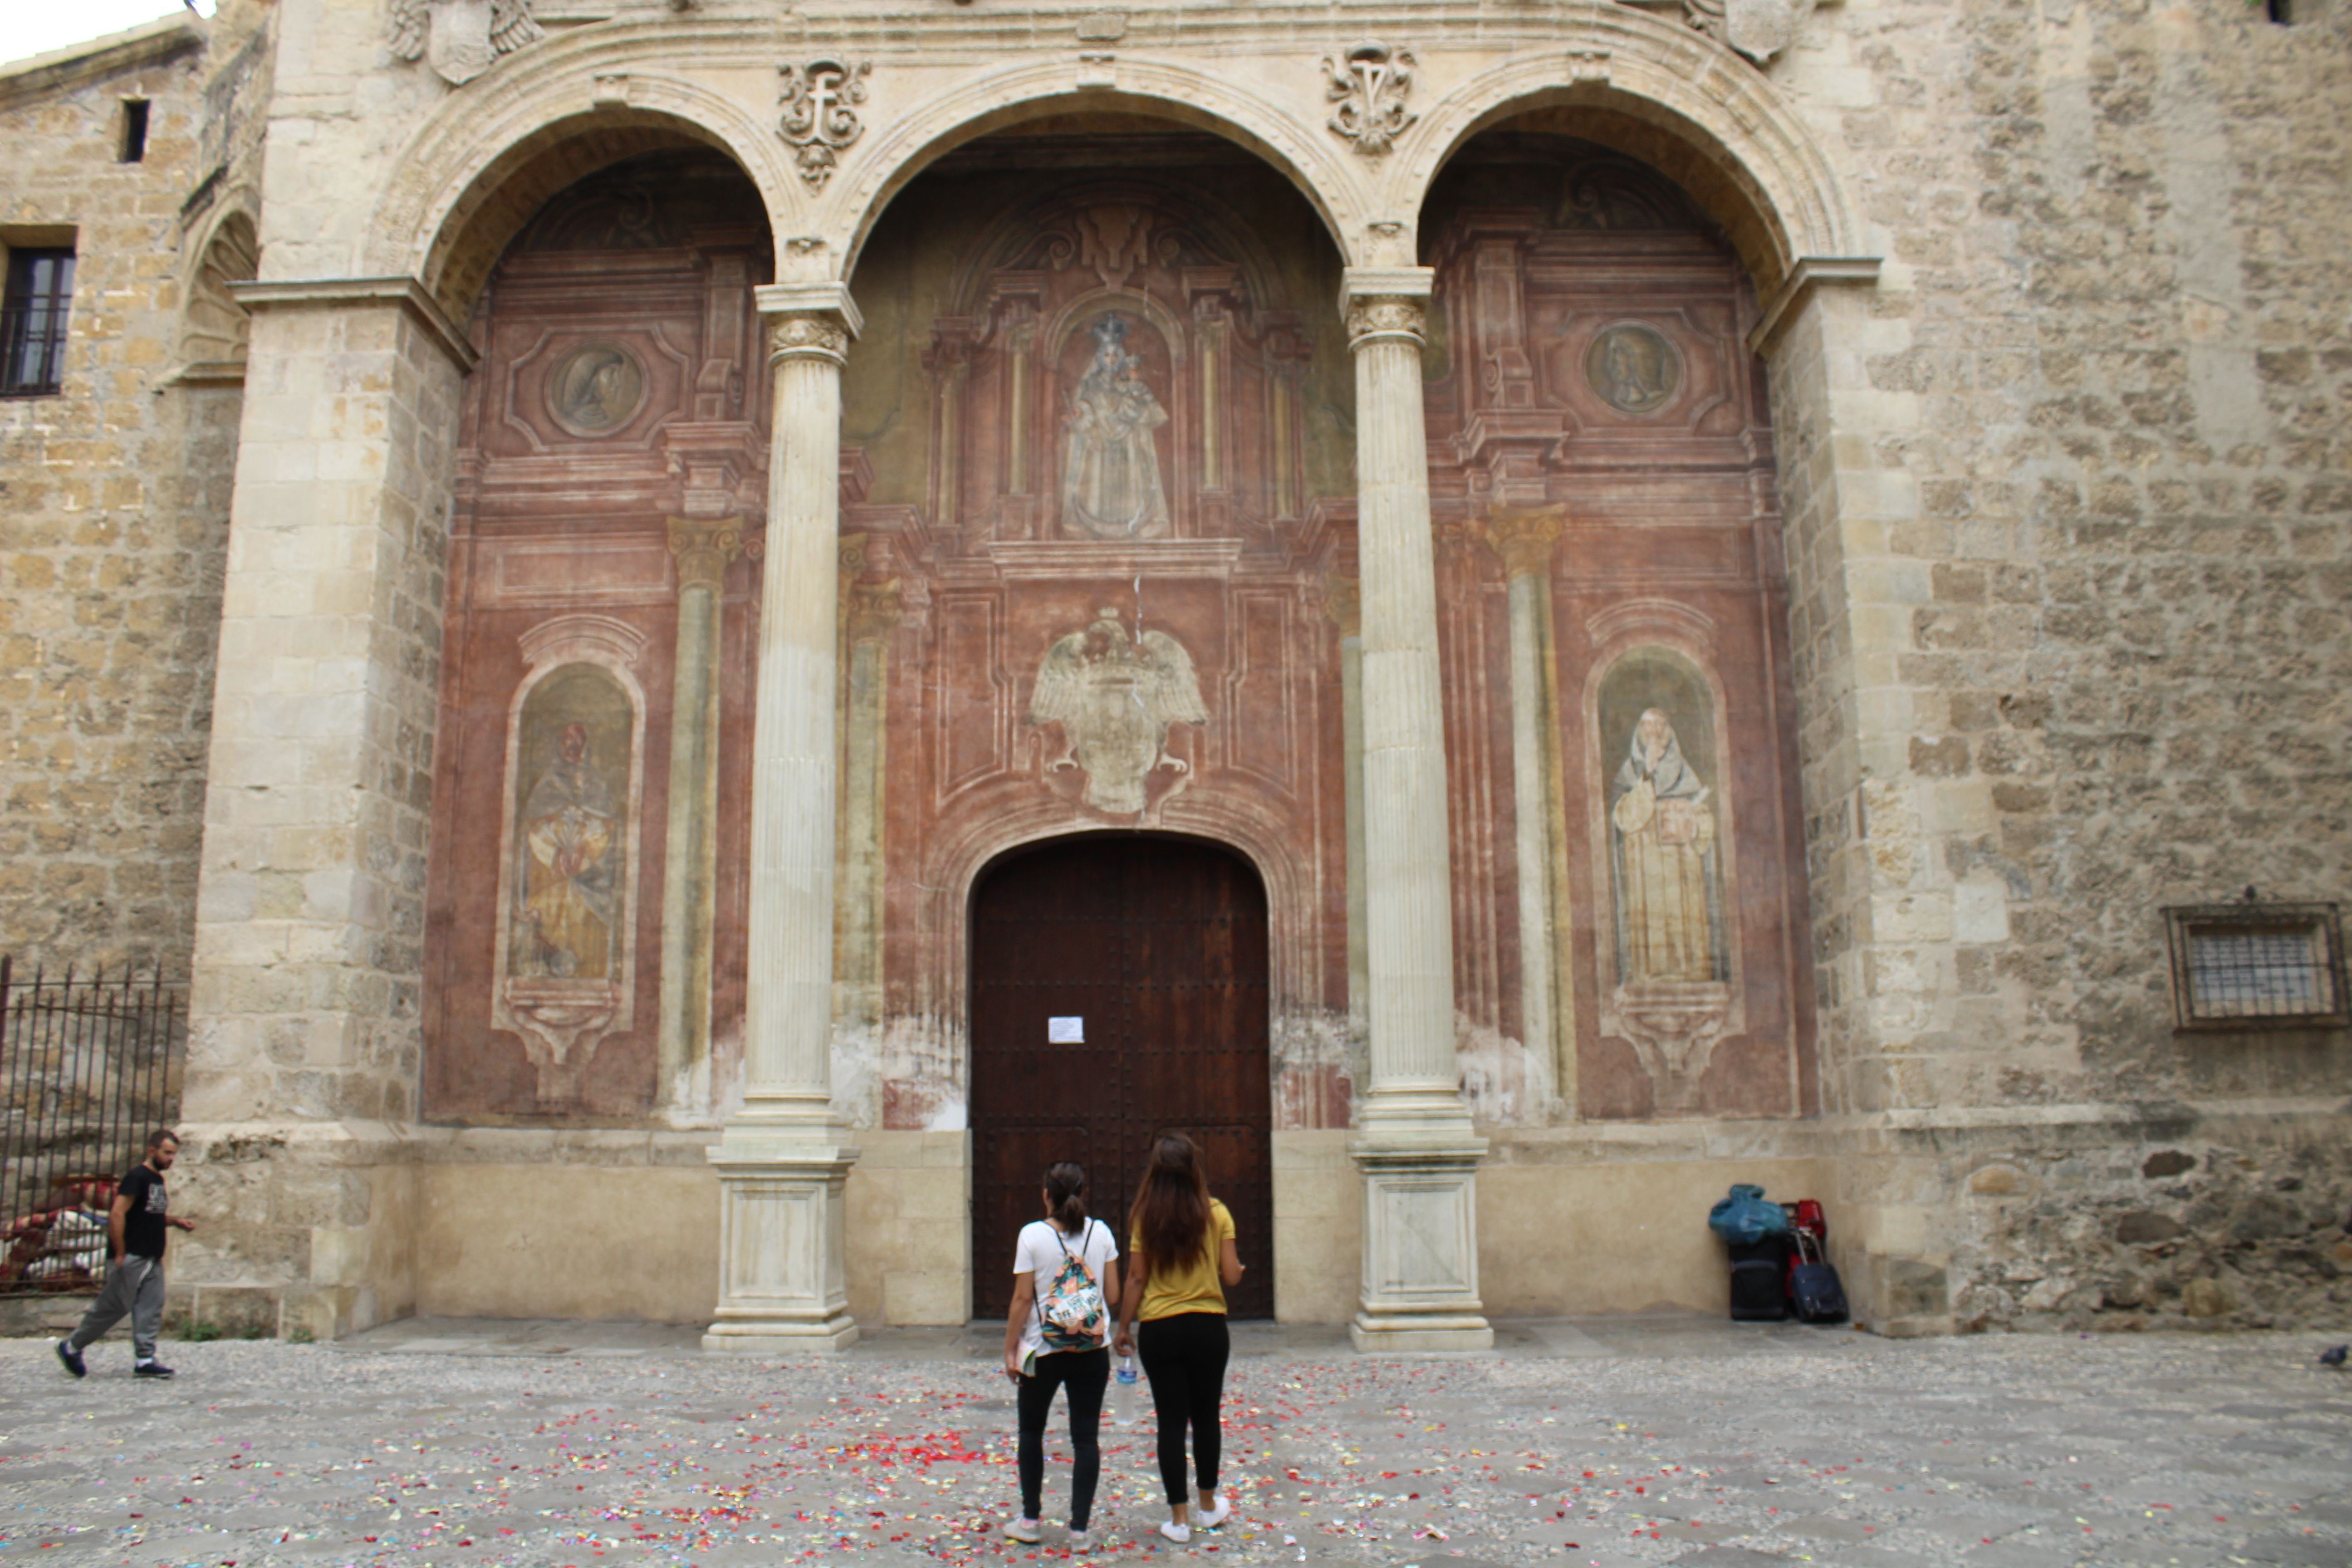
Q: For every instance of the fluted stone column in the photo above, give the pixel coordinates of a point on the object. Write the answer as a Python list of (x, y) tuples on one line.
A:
[(1413, 1141), (783, 1161), (703, 547), (1547, 984)]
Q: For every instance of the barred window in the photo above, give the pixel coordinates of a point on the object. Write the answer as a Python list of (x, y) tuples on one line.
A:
[(33, 316), (2255, 965)]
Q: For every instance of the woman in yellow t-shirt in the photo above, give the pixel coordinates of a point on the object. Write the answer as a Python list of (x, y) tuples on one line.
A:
[(1180, 1258)]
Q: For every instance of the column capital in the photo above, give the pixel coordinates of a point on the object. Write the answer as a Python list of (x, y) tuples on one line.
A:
[(1523, 537), (809, 321), (704, 549), (1385, 304)]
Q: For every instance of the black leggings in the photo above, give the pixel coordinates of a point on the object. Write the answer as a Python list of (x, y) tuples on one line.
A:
[(1086, 1373), (1184, 1356)]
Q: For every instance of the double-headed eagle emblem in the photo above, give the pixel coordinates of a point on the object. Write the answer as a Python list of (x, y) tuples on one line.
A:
[(1114, 697), (461, 38)]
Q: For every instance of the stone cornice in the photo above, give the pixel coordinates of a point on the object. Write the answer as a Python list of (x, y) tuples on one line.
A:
[(326, 293), (1809, 272)]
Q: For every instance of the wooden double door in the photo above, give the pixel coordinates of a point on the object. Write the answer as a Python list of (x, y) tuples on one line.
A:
[(1118, 989)]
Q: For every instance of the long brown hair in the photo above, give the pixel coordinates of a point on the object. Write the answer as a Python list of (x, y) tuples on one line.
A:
[(1172, 1210)]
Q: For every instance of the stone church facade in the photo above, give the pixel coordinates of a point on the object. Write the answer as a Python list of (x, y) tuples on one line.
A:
[(710, 630)]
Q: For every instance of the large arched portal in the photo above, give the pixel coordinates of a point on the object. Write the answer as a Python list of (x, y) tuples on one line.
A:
[(1118, 987)]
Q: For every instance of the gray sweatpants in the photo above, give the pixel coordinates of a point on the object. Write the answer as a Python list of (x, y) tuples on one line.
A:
[(134, 1285)]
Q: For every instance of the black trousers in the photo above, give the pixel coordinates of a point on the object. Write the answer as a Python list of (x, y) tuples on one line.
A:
[(1086, 1374), (1185, 1357)]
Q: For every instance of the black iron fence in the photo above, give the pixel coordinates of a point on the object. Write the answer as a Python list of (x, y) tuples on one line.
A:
[(88, 1066)]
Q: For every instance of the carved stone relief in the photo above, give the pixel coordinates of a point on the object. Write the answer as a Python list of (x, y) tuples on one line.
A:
[(461, 38), (817, 117), (1756, 29), (1369, 84)]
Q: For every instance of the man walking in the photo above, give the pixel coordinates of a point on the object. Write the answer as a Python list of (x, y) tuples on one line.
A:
[(135, 1230)]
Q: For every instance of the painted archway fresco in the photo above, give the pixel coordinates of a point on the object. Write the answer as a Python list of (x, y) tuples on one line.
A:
[(1097, 573)]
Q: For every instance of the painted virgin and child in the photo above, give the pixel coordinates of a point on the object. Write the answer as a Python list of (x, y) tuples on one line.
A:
[(1111, 473)]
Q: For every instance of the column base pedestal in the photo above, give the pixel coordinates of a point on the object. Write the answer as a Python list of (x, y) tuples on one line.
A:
[(1421, 1245), (770, 1337), (1431, 1335), (782, 1286)]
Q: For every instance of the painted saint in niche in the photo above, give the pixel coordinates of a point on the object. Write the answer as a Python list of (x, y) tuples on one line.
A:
[(571, 834), (1110, 467), (1662, 834)]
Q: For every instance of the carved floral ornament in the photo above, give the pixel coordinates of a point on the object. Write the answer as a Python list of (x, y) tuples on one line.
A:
[(1368, 84), (1378, 316), (817, 116), (792, 337)]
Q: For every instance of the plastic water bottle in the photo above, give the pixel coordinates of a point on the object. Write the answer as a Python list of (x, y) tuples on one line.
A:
[(1122, 1399)]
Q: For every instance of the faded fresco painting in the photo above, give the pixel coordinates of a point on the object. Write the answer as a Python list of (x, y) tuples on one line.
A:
[(1657, 714), (619, 388), (1629, 920), (570, 860), (1111, 486), (1113, 697)]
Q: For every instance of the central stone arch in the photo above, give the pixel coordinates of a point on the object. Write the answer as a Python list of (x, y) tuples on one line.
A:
[(996, 100)]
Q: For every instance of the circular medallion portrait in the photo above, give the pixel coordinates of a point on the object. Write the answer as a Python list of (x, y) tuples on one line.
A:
[(595, 390), (1634, 368)]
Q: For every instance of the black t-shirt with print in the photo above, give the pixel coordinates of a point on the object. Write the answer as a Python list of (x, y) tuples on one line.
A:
[(143, 1228)]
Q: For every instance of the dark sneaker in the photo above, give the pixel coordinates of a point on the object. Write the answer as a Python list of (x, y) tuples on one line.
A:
[(151, 1369), (72, 1359)]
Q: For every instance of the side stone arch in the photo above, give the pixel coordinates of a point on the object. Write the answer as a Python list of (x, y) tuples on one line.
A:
[(213, 327), (477, 170), (998, 99), (1725, 135)]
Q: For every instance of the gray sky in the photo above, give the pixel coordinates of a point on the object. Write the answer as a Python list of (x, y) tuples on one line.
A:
[(36, 26)]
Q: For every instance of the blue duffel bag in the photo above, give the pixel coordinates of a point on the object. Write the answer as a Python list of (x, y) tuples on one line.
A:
[(1747, 1216)]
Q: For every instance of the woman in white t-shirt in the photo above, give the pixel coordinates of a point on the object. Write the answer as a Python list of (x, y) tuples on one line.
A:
[(1063, 1242)]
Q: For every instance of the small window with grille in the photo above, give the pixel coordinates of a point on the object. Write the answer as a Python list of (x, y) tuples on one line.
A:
[(2257, 965), (33, 315)]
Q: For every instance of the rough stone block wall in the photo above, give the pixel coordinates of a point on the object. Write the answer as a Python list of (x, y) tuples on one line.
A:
[(2096, 594), (309, 939), (113, 516)]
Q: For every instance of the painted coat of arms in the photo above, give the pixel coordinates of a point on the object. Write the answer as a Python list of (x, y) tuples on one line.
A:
[(461, 38), (1114, 697)]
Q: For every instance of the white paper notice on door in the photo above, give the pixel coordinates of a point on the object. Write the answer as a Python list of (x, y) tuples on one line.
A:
[(1065, 1031)]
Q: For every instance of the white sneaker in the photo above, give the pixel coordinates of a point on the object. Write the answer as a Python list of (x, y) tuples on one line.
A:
[(1211, 1521), (1179, 1533), (1082, 1540), (1024, 1530)]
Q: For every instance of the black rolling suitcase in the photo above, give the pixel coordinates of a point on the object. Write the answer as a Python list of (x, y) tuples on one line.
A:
[(1813, 1285), (1759, 1280)]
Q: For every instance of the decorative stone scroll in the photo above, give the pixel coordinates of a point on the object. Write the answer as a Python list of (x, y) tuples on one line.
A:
[(817, 118), (1368, 84), (461, 38)]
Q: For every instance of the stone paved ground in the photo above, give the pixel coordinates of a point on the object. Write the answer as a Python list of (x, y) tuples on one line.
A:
[(1647, 1442)]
